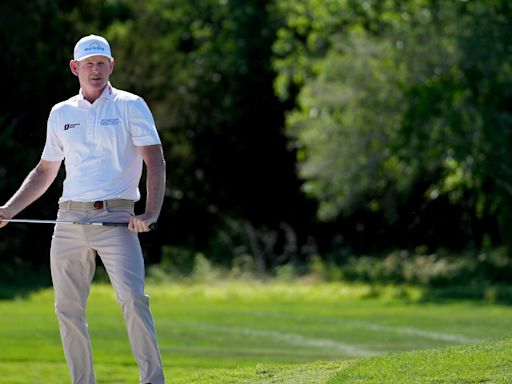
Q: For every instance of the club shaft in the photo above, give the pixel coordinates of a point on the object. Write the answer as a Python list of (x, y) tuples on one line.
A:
[(101, 223), (34, 221)]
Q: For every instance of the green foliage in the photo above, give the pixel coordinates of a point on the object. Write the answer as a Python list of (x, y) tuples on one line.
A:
[(347, 123), (399, 102), (312, 29), (454, 126), (481, 276), (400, 267), (176, 261), (492, 267), (19, 278)]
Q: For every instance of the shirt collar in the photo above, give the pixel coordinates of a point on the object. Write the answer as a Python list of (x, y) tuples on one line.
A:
[(108, 92)]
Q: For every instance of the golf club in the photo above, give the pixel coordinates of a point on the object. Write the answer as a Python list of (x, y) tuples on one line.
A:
[(100, 223)]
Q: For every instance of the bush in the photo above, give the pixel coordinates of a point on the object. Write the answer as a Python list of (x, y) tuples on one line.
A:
[(433, 270)]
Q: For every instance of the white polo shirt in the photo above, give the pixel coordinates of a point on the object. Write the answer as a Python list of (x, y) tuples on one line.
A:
[(98, 143)]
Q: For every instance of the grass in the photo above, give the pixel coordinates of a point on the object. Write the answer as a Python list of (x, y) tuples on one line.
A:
[(488, 362), (271, 333), (310, 373)]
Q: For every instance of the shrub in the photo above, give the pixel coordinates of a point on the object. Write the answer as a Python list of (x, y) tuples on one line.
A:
[(433, 270)]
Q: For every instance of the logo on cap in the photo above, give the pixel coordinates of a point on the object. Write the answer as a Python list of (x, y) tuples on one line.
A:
[(94, 47)]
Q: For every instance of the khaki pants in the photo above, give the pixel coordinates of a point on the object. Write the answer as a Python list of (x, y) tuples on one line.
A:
[(72, 260)]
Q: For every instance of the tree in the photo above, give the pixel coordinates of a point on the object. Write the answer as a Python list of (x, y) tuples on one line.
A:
[(403, 114)]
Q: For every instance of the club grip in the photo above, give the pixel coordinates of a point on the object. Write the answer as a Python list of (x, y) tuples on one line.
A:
[(152, 226)]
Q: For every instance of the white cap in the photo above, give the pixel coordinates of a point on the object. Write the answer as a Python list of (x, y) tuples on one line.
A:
[(92, 45)]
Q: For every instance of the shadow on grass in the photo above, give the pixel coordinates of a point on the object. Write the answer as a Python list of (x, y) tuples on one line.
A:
[(20, 281), (482, 292)]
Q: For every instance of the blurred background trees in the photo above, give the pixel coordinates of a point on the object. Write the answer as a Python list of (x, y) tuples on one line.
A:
[(291, 129)]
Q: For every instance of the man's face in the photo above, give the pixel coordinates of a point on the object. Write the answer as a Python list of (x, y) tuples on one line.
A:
[(93, 72)]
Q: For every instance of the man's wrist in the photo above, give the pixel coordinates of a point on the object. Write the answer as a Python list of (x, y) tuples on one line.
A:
[(9, 210), (152, 213)]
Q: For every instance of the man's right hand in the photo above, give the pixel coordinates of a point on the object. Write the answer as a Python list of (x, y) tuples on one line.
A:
[(5, 213)]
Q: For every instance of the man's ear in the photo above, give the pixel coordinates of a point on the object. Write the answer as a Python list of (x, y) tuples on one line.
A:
[(112, 62), (73, 65)]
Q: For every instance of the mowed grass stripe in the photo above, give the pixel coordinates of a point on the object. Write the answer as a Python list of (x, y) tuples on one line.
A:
[(411, 331), (292, 339), (378, 327)]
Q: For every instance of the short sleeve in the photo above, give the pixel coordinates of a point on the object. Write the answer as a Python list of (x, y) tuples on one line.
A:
[(53, 149), (142, 125)]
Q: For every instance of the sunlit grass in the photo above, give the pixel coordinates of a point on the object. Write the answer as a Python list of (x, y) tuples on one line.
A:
[(245, 332), (488, 362)]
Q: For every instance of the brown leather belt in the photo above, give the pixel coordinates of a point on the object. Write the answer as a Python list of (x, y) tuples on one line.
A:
[(100, 204)]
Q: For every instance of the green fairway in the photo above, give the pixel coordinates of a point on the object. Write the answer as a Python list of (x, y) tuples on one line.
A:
[(253, 333)]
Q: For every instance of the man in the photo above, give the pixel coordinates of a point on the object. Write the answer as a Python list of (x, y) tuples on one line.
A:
[(104, 135)]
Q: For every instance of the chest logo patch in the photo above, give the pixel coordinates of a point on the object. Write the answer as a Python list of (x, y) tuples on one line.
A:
[(68, 126), (114, 121)]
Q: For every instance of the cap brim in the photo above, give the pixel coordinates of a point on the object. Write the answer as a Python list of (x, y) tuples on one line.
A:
[(93, 54)]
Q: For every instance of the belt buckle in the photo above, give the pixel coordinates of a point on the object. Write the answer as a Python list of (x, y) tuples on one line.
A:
[(98, 204)]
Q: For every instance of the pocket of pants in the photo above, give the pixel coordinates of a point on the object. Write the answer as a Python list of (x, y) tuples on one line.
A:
[(121, 215), (126, 210), (66, 215)]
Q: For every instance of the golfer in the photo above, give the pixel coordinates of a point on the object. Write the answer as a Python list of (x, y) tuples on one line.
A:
[(104, 135)]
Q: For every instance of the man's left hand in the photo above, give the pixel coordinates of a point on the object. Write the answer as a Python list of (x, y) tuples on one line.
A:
[(141, 223)]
